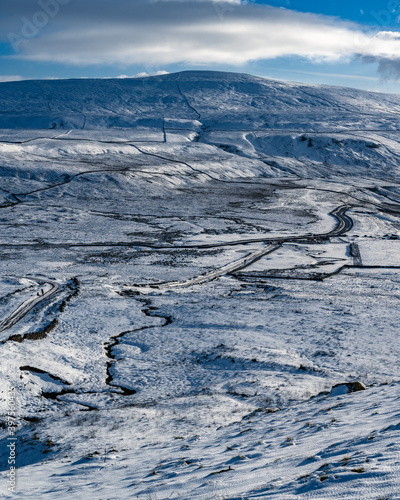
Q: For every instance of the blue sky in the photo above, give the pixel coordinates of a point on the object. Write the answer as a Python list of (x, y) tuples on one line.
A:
[(341, 42), (369, 12)]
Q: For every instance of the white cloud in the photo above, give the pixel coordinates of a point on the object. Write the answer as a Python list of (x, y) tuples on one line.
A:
[(10, 78), (143, 74), (199, 32)]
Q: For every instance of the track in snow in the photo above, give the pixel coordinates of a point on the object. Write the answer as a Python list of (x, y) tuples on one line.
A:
[(23, 309)]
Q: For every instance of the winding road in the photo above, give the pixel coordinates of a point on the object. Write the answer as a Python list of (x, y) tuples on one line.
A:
[(51, 287), (344, 224)]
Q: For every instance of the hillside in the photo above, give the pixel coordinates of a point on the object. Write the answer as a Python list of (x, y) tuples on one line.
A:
[(213, 98)]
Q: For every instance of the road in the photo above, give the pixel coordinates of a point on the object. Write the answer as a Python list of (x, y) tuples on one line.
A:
[(344, 221), (50, 288), (227, 269), (344, 224)]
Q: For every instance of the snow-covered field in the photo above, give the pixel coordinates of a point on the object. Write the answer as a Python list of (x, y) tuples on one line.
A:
[(199, 289)]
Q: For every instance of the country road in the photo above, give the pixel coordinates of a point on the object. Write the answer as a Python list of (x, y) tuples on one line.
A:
[(51, 287), (344, 221), (227, 269), (344, 224)]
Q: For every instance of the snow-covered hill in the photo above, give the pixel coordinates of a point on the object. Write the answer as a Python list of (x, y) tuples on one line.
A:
[(225, 99), (199, 289)]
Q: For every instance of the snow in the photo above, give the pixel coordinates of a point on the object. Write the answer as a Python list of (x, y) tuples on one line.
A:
[(200, 312)]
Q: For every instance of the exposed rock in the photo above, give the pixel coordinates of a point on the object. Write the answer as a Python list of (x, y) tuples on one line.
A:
[(347, 388)]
